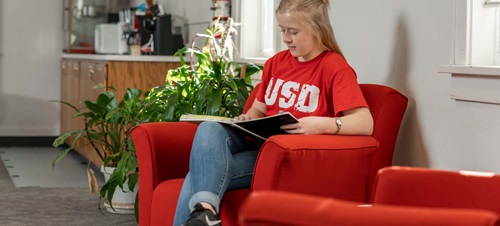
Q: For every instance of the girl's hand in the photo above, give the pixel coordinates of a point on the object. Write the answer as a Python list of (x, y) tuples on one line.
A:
[(309, 125), (242, 117), (257, 110)]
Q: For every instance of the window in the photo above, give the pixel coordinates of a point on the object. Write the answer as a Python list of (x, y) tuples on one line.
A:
[(492, 3), (259, 35), (475, 68), (477, 33)]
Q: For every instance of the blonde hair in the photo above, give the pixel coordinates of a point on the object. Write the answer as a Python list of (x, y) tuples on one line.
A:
[(314, 13)]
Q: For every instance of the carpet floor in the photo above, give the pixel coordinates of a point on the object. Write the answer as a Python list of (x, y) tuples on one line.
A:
[(52, 206)]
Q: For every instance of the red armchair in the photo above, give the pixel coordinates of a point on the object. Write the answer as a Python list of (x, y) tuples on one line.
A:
[(401, 196), (273, 208), (422, 187), (334, 166)]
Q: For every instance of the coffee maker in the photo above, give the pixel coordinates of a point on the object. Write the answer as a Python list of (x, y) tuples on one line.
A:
[(157, 31)]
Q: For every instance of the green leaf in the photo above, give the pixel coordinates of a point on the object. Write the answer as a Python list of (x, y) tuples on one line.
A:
[(94, 107), (132, 181), (214, 102), (60, 140), (65, 103), (60, 156), (233, 85), (99, 86), (105, 98)]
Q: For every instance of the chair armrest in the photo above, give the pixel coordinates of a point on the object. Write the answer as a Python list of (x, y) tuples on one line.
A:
[(316, 164), (414, 186), (162, 150), (282, 208)]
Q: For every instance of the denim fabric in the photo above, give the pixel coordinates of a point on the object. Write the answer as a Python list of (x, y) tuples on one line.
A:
[(221, 160)]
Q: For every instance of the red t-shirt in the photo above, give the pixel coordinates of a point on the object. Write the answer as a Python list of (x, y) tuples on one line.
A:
[(323, 86)]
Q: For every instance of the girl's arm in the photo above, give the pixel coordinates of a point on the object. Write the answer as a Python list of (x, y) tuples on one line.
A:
[(258, 110), (356, 121)]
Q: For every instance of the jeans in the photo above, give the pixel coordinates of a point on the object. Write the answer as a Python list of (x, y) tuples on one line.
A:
[(221, 160)]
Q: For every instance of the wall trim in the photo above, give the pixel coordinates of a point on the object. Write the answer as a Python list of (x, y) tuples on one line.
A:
[(6, 141)]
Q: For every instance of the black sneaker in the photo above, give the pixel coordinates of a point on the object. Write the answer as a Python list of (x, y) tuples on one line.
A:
[(202, 217)]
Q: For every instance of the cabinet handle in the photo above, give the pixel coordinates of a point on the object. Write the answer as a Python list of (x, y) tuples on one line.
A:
[(75, 70), (91, 75)]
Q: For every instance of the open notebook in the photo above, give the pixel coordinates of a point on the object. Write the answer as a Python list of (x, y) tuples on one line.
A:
[(261, 128)]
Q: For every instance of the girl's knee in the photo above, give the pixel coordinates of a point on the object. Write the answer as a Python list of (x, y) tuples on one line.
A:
[(209, 126)]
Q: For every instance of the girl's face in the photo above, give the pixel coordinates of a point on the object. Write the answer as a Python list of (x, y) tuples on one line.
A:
[(298, 38)]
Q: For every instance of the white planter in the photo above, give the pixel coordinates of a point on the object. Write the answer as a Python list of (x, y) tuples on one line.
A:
[(123, 202)]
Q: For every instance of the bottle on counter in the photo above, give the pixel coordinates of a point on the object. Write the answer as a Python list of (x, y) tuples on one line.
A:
[(135, 48)]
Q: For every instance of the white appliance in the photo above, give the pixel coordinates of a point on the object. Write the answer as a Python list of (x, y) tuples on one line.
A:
[(110, 39)]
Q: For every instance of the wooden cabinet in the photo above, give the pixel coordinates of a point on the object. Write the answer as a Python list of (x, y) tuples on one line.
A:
[(92, 73), (70, 71), (142, 75), (80, 76)]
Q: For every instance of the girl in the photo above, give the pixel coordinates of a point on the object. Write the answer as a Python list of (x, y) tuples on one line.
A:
[(311, 80)]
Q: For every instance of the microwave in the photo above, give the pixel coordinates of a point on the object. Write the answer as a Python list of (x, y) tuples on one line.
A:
[(110, 39)]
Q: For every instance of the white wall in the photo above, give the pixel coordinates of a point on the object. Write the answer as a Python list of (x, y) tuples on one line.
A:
[(30, 67), (31, 44), (400, 44)]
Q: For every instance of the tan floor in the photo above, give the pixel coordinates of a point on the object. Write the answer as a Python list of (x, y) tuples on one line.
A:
[(32, 167)]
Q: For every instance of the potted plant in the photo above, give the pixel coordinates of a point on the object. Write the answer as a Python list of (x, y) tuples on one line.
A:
[(214, 84), (107, 130)]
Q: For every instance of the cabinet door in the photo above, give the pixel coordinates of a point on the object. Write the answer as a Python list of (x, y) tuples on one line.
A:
[(92, 73), (139, 75), (75, 93), (66, 111), (79, 77), (70, 71)]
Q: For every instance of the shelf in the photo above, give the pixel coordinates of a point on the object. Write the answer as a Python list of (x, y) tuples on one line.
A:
[(470, 70), (479, 84)]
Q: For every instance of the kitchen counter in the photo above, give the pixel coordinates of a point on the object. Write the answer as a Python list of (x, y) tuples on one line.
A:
[(142, 58), (81, 73)]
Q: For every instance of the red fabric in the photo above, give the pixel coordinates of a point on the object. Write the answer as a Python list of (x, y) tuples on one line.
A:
[(230, 205), (165, 198), (411, 186), (327, 165), (282, 208), (251, 98), (164, 203), (162, 155), (316, 164), (387, 107), (324, 86)]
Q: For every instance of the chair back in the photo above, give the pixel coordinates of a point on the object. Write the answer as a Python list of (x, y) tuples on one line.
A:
[(387, 107), (423, 187), (251, 98)]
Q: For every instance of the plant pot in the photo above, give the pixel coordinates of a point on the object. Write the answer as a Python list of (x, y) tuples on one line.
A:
[(123, 202)]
